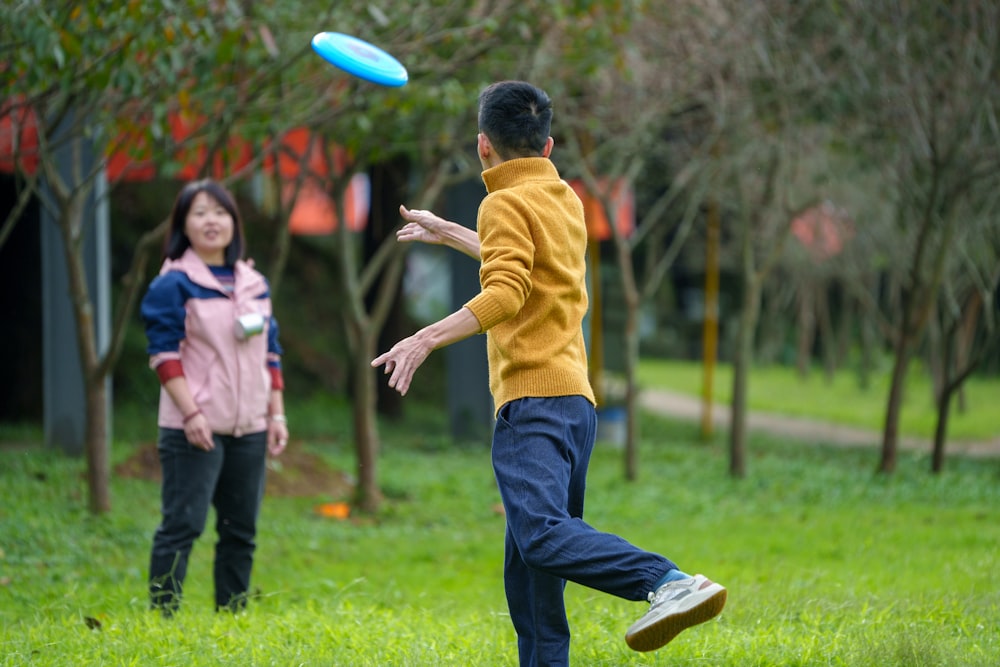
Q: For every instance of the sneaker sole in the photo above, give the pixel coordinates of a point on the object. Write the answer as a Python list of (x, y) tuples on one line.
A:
[(663, 631)]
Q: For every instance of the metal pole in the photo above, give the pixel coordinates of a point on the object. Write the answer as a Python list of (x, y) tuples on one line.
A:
[(64, 401)]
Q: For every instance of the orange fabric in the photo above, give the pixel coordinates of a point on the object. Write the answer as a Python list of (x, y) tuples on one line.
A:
[(823, 230), (598, 227), (235, 156), (18, 137)]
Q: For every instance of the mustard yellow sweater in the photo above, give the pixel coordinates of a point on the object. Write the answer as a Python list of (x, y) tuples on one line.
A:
[(533, 242)]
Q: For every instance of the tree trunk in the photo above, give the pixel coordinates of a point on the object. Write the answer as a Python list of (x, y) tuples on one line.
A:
[(943, 402), (965, 338), (631, 339), (741, 376), (941, 432), (753, 284), (807, 327), (95, 390), (710, 327), (631, 401), (98, 458), (936, 361), (362, 330), (367, 495), (959, 363), (918, 301), (828, 339), (890, 435)]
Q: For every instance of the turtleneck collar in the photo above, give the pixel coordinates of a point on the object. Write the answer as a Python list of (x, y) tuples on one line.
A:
[(518, 170)]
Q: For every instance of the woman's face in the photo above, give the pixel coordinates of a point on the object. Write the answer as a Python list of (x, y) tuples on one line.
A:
[(209, 228)]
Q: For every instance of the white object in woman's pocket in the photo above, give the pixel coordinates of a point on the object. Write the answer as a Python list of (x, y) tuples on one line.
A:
[(249, 325)]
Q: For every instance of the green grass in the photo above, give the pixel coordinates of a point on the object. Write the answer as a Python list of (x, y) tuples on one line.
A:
[(780, 390), (826, 563)]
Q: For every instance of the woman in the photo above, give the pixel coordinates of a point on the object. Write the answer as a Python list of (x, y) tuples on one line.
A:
[(214, 345)]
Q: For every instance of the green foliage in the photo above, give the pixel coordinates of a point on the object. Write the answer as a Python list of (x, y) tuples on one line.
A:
[(826, 564), (125, 68)]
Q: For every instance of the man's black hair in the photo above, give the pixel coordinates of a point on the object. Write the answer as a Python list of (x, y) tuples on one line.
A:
[(516, 117)]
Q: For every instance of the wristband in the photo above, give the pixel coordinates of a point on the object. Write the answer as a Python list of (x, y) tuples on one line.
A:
[(279, 418), (192, 415)]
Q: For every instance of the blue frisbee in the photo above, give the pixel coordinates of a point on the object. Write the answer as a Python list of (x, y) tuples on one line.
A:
[(358, 57)]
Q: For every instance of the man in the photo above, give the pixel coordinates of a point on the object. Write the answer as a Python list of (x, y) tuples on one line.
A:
[(531, 241)]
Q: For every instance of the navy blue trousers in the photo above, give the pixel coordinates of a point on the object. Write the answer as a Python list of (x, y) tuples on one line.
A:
[(541, 450), (230, 478)]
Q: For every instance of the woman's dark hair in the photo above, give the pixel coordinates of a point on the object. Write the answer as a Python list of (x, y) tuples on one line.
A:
[(516, 117), (177, 241)]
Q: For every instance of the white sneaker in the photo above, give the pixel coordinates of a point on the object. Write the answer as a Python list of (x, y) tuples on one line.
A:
[(676, 606)]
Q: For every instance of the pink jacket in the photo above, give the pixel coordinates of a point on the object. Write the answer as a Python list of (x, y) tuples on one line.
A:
[(189, 316)]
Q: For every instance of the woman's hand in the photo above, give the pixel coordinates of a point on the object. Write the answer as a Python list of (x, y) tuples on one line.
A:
[(277, 435), (198, 432)]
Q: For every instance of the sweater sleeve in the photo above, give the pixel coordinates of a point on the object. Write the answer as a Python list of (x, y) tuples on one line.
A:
[(507, 250)]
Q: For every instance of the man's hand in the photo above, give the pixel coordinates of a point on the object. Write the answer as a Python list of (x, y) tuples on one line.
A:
[(425, 227), (403, 360), (422, 226), (405, 357)]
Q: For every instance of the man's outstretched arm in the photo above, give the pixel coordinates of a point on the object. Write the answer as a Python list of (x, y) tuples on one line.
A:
[(425, 227), (405, 357)]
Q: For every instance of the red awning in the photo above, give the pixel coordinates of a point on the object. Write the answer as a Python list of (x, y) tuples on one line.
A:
[(623, 199), (18, 137), (314, 211), (128, 157)]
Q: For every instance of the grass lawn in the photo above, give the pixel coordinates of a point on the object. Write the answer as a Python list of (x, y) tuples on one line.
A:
[(826, 564), (780, 390)]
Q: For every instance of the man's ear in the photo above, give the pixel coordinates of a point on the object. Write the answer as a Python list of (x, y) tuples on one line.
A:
[(484, 146), (548, 147)]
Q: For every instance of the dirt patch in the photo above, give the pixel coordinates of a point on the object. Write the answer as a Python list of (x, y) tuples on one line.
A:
[(294, 473)]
